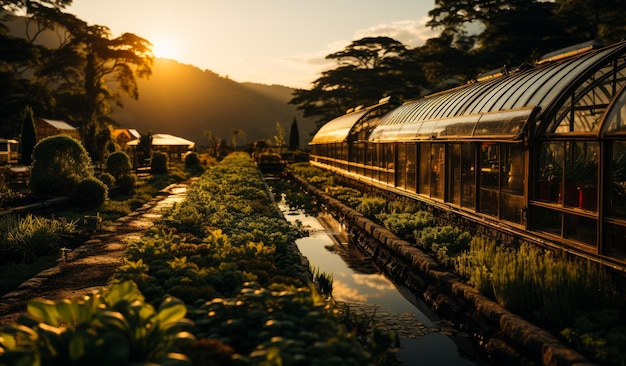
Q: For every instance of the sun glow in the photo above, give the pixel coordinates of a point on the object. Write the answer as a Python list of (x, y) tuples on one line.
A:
[(165, 48)]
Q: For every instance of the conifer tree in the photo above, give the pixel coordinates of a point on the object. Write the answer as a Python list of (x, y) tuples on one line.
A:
[(294, 136), (29, 136)]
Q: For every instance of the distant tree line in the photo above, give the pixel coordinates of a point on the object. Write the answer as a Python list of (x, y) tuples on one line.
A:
[(476, 36), (77, 81)]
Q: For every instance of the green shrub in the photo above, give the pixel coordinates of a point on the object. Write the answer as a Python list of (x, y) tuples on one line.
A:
[(118, 164), (59, 162), (126, 183), (107, 179), (556, 288), (89, 192), (432, 238), (159, 163), (371, 206), (192, 160), (404, 224), (25, 239), (349, 196), (600, 334)]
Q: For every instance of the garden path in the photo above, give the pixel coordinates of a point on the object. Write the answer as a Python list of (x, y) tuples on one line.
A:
[(90, 266)]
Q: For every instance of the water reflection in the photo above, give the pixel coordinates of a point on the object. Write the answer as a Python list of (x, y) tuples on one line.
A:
[(424, 339)]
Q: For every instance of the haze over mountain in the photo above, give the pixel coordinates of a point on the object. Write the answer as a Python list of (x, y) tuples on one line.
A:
[(185, 101)]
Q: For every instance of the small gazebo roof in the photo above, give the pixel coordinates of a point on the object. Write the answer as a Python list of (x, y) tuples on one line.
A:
[(162, 139)]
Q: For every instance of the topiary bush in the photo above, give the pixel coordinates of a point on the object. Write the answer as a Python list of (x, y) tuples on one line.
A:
[(107, 179), (192, 160), (90, 192), (59, 162), (118, 164), (193, 165), (159, 163), (126, 183), (372, 206)]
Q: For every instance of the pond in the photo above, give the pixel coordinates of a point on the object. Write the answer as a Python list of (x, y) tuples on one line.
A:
[(424, 338)]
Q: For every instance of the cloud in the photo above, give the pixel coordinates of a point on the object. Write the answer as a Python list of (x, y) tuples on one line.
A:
[(412, 33)]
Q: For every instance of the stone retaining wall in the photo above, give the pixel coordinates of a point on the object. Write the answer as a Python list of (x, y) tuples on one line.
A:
[(506, 337)]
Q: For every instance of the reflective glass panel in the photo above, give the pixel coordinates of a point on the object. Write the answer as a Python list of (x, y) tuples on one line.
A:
[(438, 172), (581, 175), (616, 190), (401, 167), (544, 219), (424, 168), (454, 173), (489, 178), (579, 228), (616, 119), (615, 243), (468, 175), (549, 173), (411, 162)]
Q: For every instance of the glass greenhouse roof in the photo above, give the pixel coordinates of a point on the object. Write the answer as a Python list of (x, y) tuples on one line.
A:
[(500, 107)]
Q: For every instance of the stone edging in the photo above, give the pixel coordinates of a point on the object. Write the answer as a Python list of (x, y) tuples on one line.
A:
[(420, 271)]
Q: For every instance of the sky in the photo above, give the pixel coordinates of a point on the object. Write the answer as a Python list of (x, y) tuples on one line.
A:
[(280, 42)]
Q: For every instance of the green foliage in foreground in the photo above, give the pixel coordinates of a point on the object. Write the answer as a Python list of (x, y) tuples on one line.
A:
[(111, 327)]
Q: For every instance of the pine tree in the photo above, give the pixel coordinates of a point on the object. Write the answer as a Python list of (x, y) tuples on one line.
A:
[(294, 136), (29, 136)]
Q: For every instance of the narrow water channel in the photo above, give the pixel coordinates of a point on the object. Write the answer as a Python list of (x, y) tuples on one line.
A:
[(424, 339)]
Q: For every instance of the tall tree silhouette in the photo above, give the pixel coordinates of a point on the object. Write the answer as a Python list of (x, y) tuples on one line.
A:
[(29, 136), (368, 70), (294, 136), (90, 61)]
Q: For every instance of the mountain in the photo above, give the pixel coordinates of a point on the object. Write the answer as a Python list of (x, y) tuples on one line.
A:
[(185, 101)]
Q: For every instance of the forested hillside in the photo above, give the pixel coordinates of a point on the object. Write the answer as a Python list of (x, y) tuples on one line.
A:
[(186, 101)]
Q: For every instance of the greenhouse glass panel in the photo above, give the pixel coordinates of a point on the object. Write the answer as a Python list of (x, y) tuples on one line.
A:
[(549, 173), (424, 168), (468, 175), (616, 119), (616, 193)]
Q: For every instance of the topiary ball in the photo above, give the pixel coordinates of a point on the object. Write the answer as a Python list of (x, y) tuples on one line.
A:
[(89, 192)]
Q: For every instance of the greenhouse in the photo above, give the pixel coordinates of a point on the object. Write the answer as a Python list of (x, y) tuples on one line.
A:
[(536, 151)]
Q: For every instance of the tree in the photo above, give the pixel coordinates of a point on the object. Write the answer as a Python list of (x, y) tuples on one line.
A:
[(59, 162), (369, 69), (143, 150), (235, 133), (587, 20), (90, 61), (279, 139), (213, 143), (29, 136), (294, 136)]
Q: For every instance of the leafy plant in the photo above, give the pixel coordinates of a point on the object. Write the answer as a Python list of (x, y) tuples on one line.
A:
[(443, 240), (24, 239), (371, 206), (405, 224), (113, 326)]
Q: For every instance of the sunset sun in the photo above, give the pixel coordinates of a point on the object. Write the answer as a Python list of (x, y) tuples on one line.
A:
[(165, 48)]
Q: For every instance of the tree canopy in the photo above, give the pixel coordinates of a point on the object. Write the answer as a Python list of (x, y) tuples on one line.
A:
[(73, 80)]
